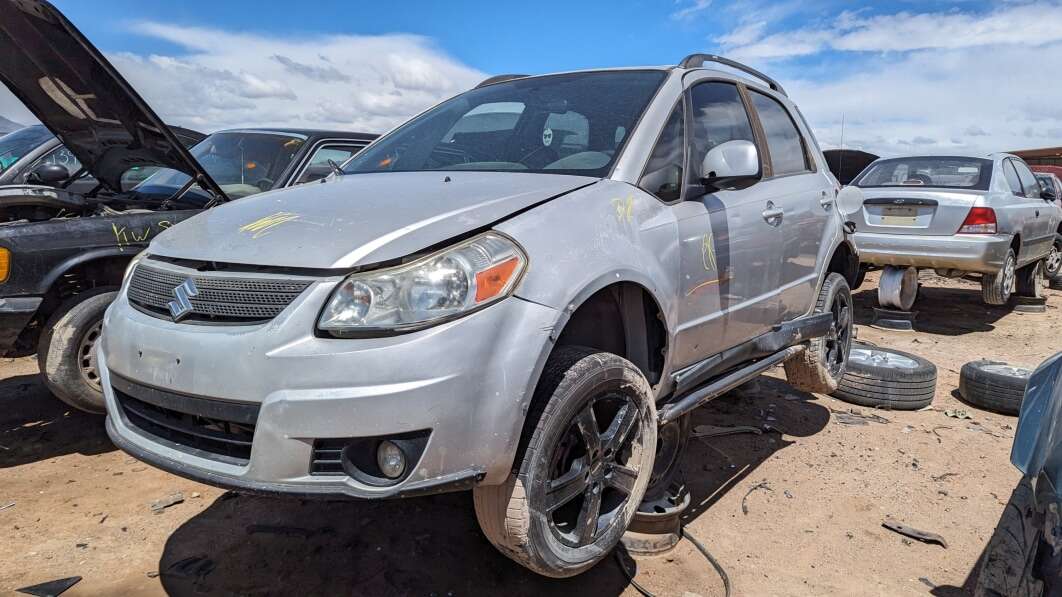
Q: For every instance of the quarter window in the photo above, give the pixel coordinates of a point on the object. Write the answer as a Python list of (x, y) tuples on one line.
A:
[(718, 116), (1012, 178), (663, 172), (318, 166), (783, 138), (1028, 181)]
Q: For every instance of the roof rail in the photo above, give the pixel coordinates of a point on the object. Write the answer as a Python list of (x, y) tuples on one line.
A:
[(499, 79), (698, 60)]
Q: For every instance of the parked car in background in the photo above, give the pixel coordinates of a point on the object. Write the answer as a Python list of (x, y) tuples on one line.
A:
[(63, 253), (34, 155), (1024, 555), (958, 215), (1053, 264), (511, 292)]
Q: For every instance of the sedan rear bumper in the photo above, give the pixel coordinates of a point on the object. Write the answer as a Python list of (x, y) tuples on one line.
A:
[(982, 253)]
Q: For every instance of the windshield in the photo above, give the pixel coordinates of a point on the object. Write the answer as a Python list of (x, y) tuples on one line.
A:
[(928, 171), (241, 162), (18, 143), (558, 124)]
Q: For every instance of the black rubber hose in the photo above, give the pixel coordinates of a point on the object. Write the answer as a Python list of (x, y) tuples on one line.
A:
[(700, 547), (715, 563)]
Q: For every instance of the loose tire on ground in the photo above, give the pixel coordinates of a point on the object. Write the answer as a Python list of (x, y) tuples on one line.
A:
[(886, 378), (1030, 280), (993, 385), (557, 463), (996, 288), (1010, 558), (64, 350), (821, 367)]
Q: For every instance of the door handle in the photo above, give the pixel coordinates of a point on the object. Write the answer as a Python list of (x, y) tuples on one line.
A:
[(773, 215)]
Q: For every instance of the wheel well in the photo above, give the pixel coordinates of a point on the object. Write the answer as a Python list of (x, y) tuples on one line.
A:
[(1016, 244), (95, 273), (845, 262), (623, 319)]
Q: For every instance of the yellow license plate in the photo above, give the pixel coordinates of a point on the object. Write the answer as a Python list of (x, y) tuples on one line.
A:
[(899, 216)]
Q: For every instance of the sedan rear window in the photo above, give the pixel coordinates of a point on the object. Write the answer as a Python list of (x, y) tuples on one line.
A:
[(928, 171)]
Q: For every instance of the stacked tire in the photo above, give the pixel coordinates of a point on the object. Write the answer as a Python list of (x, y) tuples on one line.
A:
[(886, 378), (993, 385)]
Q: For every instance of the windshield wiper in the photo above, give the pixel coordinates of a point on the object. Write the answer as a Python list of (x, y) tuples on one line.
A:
[(335, 168)]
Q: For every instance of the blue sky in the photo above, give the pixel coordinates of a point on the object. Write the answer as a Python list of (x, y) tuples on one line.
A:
[(906, 76)]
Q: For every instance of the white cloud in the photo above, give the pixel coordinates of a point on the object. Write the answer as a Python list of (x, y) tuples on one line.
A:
[(939, 101), (934, 82), (690, 10), (226, 79)]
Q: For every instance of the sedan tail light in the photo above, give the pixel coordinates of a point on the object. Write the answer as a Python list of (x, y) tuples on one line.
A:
[(980, 220)]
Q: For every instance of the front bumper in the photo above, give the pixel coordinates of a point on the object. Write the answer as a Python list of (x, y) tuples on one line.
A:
[(468, 381), (15, 314), (982, 253)]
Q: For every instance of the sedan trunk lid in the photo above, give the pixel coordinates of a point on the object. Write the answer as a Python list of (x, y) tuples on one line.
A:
[(922, 211)]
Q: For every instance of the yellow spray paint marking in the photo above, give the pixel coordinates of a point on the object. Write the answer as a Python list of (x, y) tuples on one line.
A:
[(263, 226), (708, 251), (624, 208)]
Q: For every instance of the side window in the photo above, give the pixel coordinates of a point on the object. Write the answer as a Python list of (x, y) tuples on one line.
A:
[(1012, 177), (60, 156), (663, 172), (783, 138), (718, 116), (1028, 181), (318, 167)]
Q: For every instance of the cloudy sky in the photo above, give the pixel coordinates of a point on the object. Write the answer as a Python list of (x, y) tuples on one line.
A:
[(904, 76)]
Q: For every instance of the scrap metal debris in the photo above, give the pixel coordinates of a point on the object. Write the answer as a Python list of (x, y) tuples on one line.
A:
[(11, 505), (939, 478), (957, 413), (856, 417), (159, 506), (717, 431), (52, 588), (923, 536), (764, 485), (934, 432)]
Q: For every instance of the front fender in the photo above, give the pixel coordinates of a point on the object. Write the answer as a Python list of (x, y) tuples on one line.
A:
[(1037, 447)]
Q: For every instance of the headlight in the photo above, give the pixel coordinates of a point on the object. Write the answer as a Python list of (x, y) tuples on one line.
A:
[(436, 288)]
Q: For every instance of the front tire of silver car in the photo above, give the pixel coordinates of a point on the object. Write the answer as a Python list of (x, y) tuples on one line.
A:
[(583, 465), (822, 365), (997, 288), (1053, 262), (66, 352)]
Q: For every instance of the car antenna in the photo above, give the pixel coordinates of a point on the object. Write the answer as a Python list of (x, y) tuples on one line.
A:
[(335, 168)]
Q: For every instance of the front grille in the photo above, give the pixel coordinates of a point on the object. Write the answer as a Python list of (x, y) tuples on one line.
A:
[(219, 299), (328, 456), (204, 427)]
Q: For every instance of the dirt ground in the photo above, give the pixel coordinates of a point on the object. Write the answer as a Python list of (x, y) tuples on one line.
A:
[(813, 527)]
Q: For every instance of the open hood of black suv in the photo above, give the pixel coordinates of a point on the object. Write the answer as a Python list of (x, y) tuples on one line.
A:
[(75, 92)]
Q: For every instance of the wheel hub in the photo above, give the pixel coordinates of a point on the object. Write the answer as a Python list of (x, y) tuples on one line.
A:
[(86, 355)]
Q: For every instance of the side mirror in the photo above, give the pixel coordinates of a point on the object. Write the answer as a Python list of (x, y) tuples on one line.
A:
[(48, 174), (1048, 195), (849, 200), (731, 164)]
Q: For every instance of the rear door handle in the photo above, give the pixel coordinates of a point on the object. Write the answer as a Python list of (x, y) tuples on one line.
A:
[(773, 215)]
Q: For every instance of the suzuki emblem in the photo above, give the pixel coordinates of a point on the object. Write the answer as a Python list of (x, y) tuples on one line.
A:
[(181, 305)]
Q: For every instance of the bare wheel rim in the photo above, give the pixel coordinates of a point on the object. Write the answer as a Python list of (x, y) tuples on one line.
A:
[(593, 469), (1054, 259), (839, 340), (86, 356), (1009, 279)]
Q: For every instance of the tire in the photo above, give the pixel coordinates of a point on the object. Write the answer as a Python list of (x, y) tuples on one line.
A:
[(821, 367), (886, 378), (1030, 280), (514, 516), (993, 385), (1053, 261), (1007, 567), (859, 279), (996, 288), (67, 369)]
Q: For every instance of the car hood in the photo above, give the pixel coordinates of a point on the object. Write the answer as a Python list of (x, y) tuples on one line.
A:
[(75, 92), (357, 219)]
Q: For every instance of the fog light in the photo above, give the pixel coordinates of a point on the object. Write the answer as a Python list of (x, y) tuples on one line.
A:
[(391, 460)]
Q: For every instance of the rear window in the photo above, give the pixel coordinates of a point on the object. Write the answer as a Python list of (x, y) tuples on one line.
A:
[(929, 171)]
